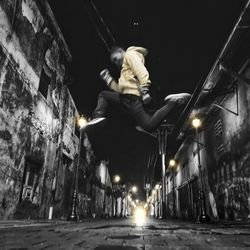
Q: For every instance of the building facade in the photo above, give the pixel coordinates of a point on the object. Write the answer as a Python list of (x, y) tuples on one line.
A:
[(39, 137), (223, 106)]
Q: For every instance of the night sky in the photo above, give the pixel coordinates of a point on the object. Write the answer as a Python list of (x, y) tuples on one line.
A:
[(183, 38)]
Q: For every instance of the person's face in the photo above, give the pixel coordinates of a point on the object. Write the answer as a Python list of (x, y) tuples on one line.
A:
[(117, 57)]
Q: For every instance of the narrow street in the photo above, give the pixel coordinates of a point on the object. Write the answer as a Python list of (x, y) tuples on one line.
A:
[(118, 234), (124, 126)]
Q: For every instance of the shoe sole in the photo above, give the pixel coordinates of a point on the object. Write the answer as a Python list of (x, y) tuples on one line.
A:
[(96, 122)]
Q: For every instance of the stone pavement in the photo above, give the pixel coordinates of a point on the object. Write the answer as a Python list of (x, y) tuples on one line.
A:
[(122, 234)]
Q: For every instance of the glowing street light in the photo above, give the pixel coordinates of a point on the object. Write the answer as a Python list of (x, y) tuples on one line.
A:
[(203, 217), (134, 189), (117, 178), (196, 122), (172, 163), (82, 122)]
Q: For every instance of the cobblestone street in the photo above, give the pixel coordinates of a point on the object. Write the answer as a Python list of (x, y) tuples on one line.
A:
[(122, 234)]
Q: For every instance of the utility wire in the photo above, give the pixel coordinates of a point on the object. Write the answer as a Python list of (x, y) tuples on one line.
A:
[(96, 27), (153, 156), (102, 21)]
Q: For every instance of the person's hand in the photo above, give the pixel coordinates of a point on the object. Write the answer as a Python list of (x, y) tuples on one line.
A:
[(105, 76), (146, 98)]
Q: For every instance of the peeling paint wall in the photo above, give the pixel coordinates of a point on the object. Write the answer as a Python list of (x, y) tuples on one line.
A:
[(229, 162), (225, 163), (36, 128), (103, 202)]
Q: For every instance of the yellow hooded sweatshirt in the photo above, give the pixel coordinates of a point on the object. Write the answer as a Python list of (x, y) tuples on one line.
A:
[(133, 74)]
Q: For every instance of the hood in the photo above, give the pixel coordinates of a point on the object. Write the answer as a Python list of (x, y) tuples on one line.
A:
[(141, 50)]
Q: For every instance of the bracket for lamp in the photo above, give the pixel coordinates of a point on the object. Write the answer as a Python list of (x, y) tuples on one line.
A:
[(236, 76), (233, 74)]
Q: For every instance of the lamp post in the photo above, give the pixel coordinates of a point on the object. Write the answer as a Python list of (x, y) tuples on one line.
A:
[(74, 213), (133, 189), (105, 194), (162, 136), (154, 201), (172, 164), (203, 217), (116, 180)]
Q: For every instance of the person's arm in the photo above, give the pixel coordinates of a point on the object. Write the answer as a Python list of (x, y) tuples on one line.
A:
[(137, 66), (139, 69), (109, 80)]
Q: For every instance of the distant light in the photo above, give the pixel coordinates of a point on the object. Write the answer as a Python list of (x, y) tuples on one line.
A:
[(172, 163), (134, 189), (117, 178), (196, 122)]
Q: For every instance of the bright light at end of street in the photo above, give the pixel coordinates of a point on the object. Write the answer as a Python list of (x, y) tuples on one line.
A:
[(140, 216)]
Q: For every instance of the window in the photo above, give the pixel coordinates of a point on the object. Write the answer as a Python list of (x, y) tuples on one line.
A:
[(218, 136), (44, 84), (30, 181)]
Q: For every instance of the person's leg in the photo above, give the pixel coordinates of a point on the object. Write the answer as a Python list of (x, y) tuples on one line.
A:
[(149, 122), (170, 111), (104, 99), (134, 107)]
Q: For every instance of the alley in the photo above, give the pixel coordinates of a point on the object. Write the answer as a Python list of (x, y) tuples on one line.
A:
[(118, 234), (124, 127)]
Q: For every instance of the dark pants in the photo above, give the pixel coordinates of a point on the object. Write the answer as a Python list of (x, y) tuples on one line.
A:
[(133, 105)]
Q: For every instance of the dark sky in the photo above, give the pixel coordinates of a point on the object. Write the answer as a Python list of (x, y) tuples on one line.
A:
[(183, 38)]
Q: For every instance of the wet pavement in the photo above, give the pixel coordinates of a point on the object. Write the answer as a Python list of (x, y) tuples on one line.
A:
[(123, 234)]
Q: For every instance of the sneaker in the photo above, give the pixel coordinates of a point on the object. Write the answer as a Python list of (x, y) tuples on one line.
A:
[(96, 120), (180, 98)]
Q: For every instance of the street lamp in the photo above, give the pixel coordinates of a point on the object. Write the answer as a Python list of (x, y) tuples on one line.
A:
[(116, 180), (172, 164), (74, 213), (134, 189), (203, 217)]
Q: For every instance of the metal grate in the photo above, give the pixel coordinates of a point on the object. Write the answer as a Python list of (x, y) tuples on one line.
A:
[(218, 128), (218, 135)]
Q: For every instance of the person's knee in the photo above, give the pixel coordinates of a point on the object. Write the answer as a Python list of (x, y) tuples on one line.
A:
[(102, 94)]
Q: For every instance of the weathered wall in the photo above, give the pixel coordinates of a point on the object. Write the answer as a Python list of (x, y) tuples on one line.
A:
[(103, 200), (225, 161), (229, 158), (36, 129)]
